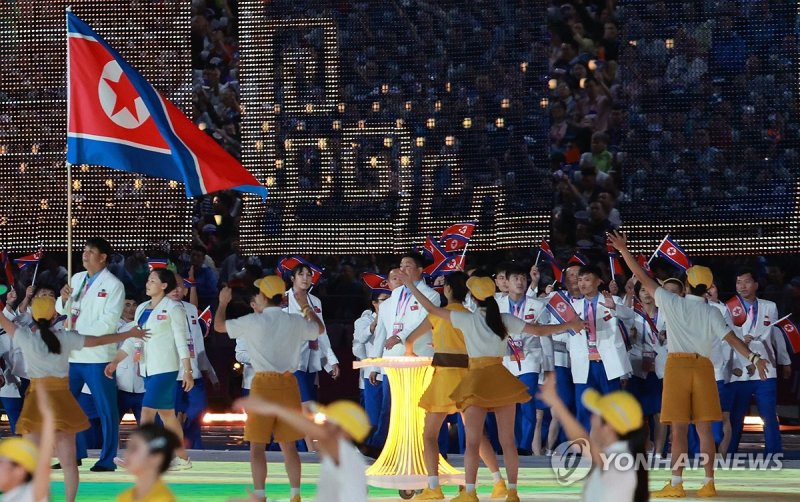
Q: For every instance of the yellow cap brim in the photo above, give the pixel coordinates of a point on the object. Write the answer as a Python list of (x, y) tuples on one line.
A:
[(591, 400)]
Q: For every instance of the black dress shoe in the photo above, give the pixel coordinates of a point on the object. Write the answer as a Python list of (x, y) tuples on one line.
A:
[(58, 465), (101, 468), (523, 452)]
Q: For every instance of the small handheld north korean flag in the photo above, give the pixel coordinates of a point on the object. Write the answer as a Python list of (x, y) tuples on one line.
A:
[(558, 274), (28, 260), (737, 309), (561, 309), (670, 250), (544, 249), (642, 261), (157, 263), (205, 321), (578, 259), (288, 264), (789, 330), (378, 284), (614, 261), (457, 236), (189, 283), (115, 118)]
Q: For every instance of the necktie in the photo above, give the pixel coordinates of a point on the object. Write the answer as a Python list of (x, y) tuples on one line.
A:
[(592, 327), (751, 318)]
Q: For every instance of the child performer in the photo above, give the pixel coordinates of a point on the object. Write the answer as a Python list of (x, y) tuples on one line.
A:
[(488, 385), (274, 341), (149, 454)]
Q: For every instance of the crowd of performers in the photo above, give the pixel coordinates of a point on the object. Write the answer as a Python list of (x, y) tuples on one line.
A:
[(663, 368)]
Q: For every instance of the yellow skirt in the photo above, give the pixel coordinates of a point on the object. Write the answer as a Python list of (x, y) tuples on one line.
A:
[(280, 388), (68, 413), (488, 384), (436, 398)]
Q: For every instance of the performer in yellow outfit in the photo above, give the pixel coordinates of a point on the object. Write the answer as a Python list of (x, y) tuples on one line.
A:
[(450, 363), (488, 385), (150, 450)]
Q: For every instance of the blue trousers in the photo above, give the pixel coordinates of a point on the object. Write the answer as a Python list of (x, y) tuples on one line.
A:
[(598, 381), (13, 405), (525, 419), (93, 436), (381, 431), (104, 398), (566, 391), (373, 400), (130, 401), (193, 404), (765, 392)]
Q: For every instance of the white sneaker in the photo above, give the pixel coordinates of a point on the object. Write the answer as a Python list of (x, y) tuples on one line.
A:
[(179, 464)]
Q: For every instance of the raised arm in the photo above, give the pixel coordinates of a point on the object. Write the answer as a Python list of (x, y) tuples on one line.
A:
[(620, 242), (225, 296), (423, 300)]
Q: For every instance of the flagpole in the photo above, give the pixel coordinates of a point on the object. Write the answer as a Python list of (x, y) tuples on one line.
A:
[(538, 255), (69, 243), (35, 271), (464, 253), (657, 248), (781, 319)]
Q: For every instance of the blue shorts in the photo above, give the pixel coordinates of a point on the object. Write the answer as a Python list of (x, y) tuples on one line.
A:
[(159, 391), (648, 392), (725, 395), (307, 381)]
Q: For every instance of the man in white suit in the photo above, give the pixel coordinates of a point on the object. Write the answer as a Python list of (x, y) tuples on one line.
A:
[(93, 300), (598, 355), (762, 337), (535, 353)]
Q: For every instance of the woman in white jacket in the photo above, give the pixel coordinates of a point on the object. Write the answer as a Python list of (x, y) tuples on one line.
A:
[(160, 357)]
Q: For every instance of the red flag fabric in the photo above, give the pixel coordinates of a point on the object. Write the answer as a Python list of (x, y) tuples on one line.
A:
[(671, 251), (9, 270), (547, 251), (642, 261), (205, 321), (457, 236), (791, 333), (376, 283), (737, 309), (115, 118), (558, 274), (286, 265)]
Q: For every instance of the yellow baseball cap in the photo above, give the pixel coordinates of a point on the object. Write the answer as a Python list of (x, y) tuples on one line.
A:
[(270, 286), (698, 275), (619, 409), (20, 451), (43, 307), (480, 287), (348, 415)]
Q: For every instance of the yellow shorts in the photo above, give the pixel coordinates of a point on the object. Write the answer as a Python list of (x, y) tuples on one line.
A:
[(690, 391), (68, 414), (280, 388)]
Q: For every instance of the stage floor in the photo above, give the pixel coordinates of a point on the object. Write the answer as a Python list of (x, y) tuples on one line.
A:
[(226, 475)]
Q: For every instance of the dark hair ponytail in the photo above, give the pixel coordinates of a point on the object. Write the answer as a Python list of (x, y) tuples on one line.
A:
[(637, 442), (493, 318), (48, 337), (458, 284)]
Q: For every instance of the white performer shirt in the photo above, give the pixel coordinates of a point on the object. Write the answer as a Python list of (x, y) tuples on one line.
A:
[(692, 324), (345, 481)]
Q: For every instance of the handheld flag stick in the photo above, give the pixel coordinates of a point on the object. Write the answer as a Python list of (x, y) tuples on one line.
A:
[(35, 271), (464, 252), (69, 242), (657, 248), (781, 319), (538, 255)]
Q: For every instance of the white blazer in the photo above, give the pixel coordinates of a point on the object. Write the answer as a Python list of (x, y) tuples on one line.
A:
[(363, 341), (128, 379), (201, 366), (768, 341), (98, 312), (243, 357), (610, 345), (323, 357), (721, 353), (644, 343), (392, 314), (538, 350), (166, 347)]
